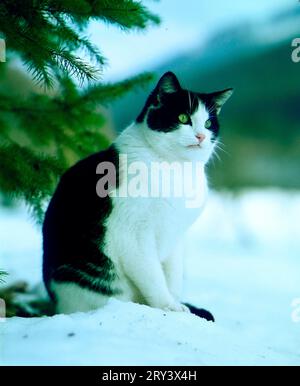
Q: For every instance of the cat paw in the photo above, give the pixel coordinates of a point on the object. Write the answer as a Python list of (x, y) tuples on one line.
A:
[(177, 307)]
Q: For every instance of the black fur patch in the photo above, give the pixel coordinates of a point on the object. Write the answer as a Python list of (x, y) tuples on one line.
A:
[(168, 100), (211, 108), (163, 115), (73, 229), (200, 312)]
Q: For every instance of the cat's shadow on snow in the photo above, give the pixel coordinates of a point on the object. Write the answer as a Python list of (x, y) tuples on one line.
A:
[(25, 302)]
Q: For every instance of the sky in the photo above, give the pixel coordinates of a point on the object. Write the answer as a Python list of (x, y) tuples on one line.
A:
[(185, 24)]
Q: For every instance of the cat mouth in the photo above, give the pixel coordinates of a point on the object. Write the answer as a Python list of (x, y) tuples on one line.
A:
[(196, 146)]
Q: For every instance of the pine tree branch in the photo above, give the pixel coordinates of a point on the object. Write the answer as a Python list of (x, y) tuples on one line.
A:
[(74, 66), (41, 133), (48, 33), (2, 275), (24, 172), (126, 14), (106, 93)]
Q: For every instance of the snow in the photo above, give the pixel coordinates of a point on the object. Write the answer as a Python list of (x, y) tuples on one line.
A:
[(242, 264)]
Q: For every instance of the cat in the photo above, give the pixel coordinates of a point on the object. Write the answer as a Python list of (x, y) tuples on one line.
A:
[(129, 247)]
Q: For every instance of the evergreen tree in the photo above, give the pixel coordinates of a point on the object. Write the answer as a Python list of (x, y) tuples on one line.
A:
[(51, 114), (43, 127), (2, 274)]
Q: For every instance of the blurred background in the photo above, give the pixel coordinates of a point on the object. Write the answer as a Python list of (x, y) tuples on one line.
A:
[(254, 210), (213, 45)]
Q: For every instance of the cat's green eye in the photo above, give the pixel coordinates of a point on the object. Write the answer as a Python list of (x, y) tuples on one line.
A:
[(184, 118), (208, 124)]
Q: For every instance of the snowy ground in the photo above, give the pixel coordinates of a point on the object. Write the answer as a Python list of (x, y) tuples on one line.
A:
[(243, 264)]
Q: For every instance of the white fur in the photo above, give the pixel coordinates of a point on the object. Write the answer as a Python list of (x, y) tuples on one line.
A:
[(72, 298), (143, 233)]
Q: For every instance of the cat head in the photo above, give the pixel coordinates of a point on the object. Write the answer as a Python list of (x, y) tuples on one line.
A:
[(181, 122)]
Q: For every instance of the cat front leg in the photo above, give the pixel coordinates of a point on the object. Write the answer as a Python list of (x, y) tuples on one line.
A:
[(146, 273), (173, 269)]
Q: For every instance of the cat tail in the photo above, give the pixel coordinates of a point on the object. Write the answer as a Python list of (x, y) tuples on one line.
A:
[(200, 312)]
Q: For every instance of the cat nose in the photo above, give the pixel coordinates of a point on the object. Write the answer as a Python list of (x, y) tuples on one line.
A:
[(200, 137)]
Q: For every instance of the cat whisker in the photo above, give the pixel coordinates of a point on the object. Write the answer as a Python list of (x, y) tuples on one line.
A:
[(190, 102), (215, 153), (219, 143), (221, 149)]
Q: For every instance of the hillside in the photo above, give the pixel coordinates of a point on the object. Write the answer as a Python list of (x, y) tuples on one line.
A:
[(261, 124)]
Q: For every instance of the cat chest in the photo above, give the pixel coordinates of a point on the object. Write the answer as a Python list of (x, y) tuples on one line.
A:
[(170, 225), (156, 220)]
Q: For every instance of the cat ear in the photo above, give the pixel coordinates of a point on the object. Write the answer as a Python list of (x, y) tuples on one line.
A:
[(220, 97), (168, 84)]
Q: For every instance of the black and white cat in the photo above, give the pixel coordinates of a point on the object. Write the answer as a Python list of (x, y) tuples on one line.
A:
[(128, 247)]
